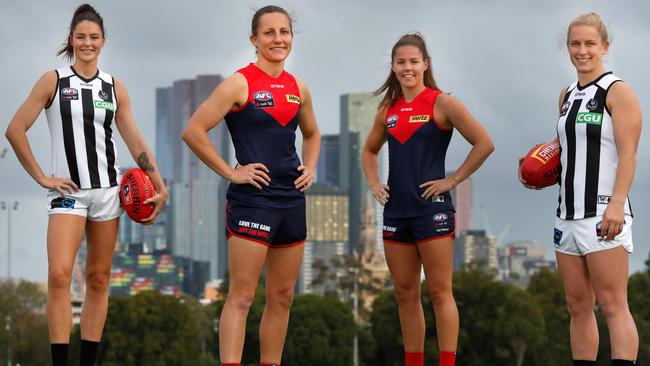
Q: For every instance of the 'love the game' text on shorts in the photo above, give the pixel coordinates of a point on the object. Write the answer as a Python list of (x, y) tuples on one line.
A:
[(416, 230), (96, 204), (273, 227), (583, 236)]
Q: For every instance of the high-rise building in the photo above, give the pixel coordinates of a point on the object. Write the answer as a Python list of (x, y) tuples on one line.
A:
[(327, 170), (327, 236), (196, 219), (519, 260), (461, 196), (357, 116), (475, 248)]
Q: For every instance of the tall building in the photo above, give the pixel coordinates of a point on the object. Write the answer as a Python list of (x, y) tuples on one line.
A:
[(461, 196), (476, 249), (519, 260), (327, 170), (195, 221), (357, 116), (327, 236)]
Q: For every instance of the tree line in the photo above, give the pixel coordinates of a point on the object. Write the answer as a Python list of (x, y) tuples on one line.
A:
[(501, 324)]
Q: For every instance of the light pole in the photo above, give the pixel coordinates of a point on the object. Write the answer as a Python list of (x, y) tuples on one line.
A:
[(9, 207)]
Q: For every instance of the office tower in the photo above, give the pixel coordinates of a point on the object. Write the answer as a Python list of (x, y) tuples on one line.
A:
[(475, 249), (327, 170)]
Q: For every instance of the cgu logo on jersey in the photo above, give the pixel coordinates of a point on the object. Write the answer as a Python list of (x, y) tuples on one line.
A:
[(415, 119), (104, 105), (590, 118), (391, 121), (293, 99), (69, 94), (263, 99)]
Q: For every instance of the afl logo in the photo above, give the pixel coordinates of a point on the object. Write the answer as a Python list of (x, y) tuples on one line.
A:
[(263, 99), (440, 217), (103, 95), (592, 104), (69, 94), (391, 121), (565, 108)]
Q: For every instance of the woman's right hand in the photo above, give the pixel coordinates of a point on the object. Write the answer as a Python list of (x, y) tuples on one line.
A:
[(254, 174), (380, 191), (61, 185), (522, 179)]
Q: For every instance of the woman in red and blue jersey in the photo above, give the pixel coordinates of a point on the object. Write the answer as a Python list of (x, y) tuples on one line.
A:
[(265, 215), (417, 120)]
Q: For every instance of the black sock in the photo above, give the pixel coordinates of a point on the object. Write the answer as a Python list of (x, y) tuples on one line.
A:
[(59, 354), (88, 354), (623, 363), (584, 363)]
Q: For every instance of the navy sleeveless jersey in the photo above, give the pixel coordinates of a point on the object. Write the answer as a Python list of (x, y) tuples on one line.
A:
[(264, 131), (417, 147)]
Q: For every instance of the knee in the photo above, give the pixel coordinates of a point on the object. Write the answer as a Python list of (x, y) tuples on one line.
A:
[(407, 294), (280, 298), (97, 281), (439, 294), (579, 306), (59, 278), (241, 299), (612, 305)]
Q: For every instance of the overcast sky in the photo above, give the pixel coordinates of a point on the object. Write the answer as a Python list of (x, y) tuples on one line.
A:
[(504, 59)]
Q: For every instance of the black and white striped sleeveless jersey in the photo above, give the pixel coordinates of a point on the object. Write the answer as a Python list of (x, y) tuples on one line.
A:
[(80, 118), (589, 157)]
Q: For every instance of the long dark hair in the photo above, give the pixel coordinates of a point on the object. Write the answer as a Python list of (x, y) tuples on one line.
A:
[(83, 12), (268, 10), (392, 86)]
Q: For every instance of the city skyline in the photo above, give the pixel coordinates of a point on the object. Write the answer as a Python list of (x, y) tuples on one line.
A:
[(505, 62)]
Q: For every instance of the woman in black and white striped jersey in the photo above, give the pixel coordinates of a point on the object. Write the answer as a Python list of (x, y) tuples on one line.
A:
[(82, 104)]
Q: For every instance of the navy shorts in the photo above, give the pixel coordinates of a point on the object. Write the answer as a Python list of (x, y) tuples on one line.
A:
[(273, 227), (415, 230)]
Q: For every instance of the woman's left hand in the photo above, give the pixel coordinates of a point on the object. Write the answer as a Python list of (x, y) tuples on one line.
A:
[(613, 220), (305, 180), (437, 187), (158, 201)]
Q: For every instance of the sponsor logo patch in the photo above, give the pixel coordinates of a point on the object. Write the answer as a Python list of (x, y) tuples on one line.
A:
[(263, 99), (102, 95), (104, 105), (580, 94), (603, 200), (293, 99), (391, 121), (599, 231), (438, 199), (415, 119), (391, 229), (254, 229), (565, 108), (439, 217), (127, 194), (62, 202), (590, 118), (557, 237), (592, 104), (69, 94), (276, 86)]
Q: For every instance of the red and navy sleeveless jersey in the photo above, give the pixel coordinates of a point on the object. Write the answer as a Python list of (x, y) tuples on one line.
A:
[(264, 131), (417, 147)]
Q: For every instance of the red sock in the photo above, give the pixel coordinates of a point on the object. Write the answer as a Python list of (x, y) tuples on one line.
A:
[(414, 358), (447, 358), (231, 364), (269, 364)]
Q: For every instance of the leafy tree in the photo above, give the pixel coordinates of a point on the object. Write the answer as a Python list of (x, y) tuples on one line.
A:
[(639, 299), (321, 332), (150, 329)]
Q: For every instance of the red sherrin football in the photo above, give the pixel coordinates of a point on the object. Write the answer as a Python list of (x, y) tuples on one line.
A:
[(136, 188), (541, 166)]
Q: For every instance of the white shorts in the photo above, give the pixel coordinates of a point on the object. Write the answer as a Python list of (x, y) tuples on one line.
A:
[(97, 204), (580, 237)]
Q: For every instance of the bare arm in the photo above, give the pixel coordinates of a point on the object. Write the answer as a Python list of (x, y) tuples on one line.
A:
[(23, 120), (451, 112), (139, 150), (310, 139), (626, 121), (230, 94), (375, 140)]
